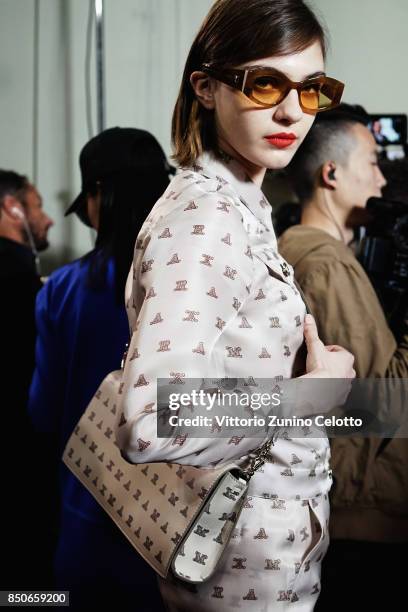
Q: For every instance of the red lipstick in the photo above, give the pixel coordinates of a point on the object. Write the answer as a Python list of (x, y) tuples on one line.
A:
[(281, 140)]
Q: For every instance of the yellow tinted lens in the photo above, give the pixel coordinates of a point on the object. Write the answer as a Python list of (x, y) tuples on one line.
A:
[(310, 96), (267, 89), (327, 95), (317, 96)]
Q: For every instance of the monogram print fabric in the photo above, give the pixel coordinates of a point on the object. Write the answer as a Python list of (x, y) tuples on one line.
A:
[(209, 296)]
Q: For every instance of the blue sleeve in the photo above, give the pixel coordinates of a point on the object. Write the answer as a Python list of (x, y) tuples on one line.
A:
[(47, 385)]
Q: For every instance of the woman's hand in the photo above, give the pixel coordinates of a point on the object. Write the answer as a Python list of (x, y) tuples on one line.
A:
[(332, 363), (325, 361)]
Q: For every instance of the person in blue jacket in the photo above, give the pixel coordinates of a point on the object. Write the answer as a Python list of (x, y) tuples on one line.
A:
[(82, 334)]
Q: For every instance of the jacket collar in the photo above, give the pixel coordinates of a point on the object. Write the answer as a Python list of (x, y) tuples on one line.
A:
[(230, 171)]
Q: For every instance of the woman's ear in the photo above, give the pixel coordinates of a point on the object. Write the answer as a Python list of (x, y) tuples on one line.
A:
[(203, 88), (328, 175)]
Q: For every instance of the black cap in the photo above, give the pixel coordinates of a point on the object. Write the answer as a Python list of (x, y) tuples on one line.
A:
[(118, 151)]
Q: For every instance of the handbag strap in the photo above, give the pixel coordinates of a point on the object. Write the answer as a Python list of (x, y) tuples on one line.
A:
[(124, 356)]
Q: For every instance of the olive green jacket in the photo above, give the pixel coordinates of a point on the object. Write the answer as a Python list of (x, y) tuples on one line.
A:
[(370, 496)]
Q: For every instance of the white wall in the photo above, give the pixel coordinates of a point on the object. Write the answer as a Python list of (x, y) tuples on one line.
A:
[(369, 51), (146, 45), (146, 42)]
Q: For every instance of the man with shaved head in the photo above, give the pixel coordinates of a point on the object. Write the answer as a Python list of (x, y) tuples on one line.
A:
[(334, 173)]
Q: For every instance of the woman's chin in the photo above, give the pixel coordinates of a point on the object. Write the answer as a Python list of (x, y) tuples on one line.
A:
[(276, 159)]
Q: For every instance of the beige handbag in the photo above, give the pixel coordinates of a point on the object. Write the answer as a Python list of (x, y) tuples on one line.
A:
[(152, 504), (162, 508)]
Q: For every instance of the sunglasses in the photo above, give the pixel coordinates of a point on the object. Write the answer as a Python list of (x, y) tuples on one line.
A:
[(268, 87)]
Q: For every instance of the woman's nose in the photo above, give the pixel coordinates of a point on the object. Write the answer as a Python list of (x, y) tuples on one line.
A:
[(289, 109)]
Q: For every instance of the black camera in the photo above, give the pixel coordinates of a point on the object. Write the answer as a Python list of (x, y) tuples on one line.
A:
[(383, 250)]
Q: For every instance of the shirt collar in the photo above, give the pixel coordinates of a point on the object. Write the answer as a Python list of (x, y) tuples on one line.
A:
[(230, 171)]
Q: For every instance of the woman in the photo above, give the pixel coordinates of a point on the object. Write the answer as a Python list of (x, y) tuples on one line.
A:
[(212, 296), (79, 312)]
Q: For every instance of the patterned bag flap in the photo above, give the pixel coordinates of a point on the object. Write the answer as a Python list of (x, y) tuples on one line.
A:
[(152, 504), (198, 556)]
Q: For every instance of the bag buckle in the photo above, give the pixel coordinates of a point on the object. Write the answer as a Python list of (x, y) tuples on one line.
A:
[(123, 360), (259, 460)]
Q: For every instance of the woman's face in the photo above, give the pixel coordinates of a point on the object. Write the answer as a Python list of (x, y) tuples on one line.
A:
[(243, 127)]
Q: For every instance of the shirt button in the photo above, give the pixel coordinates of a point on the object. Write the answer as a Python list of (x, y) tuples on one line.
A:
[(285, 269)]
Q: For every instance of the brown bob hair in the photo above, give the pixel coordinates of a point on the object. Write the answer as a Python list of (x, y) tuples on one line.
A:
[(234, 32)]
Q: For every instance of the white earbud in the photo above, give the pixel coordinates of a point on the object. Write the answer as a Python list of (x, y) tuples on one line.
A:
[(17, 213)]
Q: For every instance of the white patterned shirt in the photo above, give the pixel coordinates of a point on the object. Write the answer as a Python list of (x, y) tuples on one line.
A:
[(209, 295)]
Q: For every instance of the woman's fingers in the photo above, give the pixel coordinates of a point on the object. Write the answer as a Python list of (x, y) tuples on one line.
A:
[(310, 329), (315, 348), (334, 359)]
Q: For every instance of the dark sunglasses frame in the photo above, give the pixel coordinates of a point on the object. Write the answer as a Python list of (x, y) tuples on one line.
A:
[(243, 79)]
